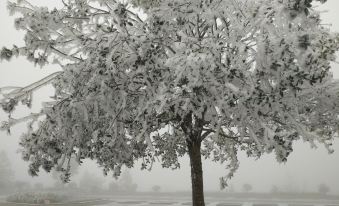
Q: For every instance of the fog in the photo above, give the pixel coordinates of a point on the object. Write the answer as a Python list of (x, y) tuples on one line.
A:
[(305, 169)]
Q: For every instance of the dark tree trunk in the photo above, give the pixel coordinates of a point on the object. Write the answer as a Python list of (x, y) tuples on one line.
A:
[(196, 173)]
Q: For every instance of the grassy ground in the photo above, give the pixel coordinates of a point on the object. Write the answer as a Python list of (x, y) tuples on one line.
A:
[(174, 199), (80, 203)]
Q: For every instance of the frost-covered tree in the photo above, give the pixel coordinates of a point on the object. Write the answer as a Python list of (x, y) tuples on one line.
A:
[(247, 187), (275, 189), (91, 183), (126, 183), (156, 188), (159, 79), (113, 187), (323, 189)]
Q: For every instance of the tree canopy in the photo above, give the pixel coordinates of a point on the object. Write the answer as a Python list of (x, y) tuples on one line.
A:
[(144, 84)]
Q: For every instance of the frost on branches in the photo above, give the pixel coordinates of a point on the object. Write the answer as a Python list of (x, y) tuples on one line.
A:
[(231, 75)]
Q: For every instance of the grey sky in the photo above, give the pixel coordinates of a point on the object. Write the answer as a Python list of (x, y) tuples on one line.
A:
[(305, 168)]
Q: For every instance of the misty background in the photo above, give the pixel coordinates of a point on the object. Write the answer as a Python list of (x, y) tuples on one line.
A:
[(305, 169)]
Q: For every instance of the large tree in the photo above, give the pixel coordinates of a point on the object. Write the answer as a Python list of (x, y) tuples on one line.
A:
[(198, 77)]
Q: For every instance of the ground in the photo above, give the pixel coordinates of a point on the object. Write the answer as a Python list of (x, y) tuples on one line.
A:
[(160, 200)]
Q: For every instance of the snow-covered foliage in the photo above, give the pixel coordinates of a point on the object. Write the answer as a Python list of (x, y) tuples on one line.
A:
[(236, 75)]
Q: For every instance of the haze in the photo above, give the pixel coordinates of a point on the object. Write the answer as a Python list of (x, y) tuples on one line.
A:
[(305, 169)]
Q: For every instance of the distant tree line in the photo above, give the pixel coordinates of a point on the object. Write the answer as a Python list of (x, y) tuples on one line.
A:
[(93, 184), (87, 183)]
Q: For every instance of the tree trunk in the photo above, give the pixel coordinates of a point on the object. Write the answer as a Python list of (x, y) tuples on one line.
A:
[(196, 173)]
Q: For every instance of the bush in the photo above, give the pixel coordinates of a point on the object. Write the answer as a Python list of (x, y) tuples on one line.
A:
[(323, 189), (156, 188), (35, 198)]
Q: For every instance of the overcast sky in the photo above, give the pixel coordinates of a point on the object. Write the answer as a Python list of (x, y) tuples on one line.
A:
[(305, 169)]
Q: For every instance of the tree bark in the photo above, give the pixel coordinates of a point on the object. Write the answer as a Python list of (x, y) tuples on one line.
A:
[(196, 173)]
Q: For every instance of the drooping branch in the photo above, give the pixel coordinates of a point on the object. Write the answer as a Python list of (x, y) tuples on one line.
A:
[(10, 99), (7, 125), (18, 93)]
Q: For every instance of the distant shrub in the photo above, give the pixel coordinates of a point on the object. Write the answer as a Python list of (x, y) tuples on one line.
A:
[(35, 198), (247, 187), (323, 189), (156, 188)]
